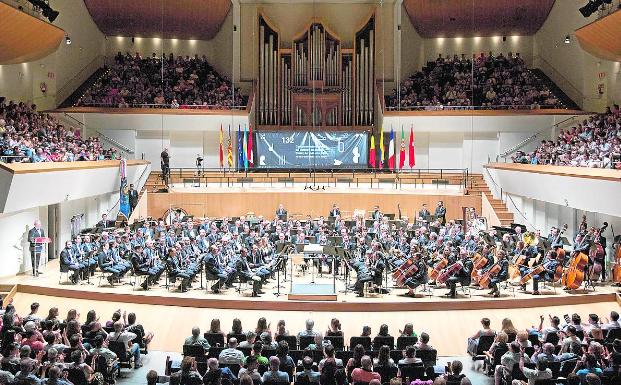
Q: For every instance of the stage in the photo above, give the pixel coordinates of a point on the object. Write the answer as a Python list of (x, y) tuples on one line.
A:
[(172, 314)]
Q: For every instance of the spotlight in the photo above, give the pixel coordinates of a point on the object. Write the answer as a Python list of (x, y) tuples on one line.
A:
[(590, 8), (67, 40), (567, 39)]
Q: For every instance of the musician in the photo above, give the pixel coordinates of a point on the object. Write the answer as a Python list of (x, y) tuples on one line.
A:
[(440, 213), (35, 248), (502, 275), (69, 260), (463, 276), (377, 263), (142, 265), (104, 222), (376, 214), (517, 233), (524, 267), (85, 255), (424, 213), (335, 212), (553, 260), (247, 274), (106, 263), (281, 213), (175, 270), (363, 273), (420, 277)]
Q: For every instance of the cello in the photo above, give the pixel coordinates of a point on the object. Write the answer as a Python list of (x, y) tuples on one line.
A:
[(560, 251), (437, 269), (574, 274), (449, 272)]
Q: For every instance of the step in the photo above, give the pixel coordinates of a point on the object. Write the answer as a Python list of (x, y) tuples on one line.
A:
[(504, 215)]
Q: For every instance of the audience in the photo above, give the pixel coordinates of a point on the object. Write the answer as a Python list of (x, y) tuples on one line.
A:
[(595, 143), (487, 81), (166, 82), (27, 136)]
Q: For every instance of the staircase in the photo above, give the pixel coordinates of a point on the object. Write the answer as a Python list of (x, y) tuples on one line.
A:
[(562, 96), (77, 94), (478, 186), (154, 182)]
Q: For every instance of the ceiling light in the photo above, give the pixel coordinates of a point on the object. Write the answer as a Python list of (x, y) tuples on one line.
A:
[(67, 40), (567, 39)]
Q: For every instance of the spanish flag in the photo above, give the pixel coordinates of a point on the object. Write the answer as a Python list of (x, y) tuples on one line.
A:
[(229, 150), (221, 151)]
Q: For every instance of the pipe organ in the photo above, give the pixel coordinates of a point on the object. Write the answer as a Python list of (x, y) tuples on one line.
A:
[(317, 82)]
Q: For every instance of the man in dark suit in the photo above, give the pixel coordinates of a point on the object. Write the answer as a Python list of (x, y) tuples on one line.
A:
[(441, 213), (133, 198), (335, 212), (104, 222), (424, 212), (281, 212), (69, 259), (35, 248)]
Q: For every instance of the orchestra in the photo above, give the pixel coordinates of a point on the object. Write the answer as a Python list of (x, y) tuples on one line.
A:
[(379, 253)]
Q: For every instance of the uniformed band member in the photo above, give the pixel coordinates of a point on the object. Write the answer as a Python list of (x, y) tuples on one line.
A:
[(463, 276), (502, 275)]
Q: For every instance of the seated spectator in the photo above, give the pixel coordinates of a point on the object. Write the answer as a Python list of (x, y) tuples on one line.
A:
[(26, 374), (409, 357), (307, 372), (473, 342), (334, 329), (134, 81), (356, 360), (423, 342), (136, 328), (588, 364), (310, 324), (77, 362), (545, 352), (256, 351), (281, 329), (274, 374), (331, 374), (237, 327), (383, 358), (214, 328), (541, 372), (455, 372), (286, 362), (99, 349), (54, 377), (216, 374), (231, 355), (250, 339), (251, 369), (189, 375), (197, 339), (408, 331), (127, 338), (365, 372)]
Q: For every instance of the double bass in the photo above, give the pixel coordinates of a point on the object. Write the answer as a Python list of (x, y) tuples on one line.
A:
[(597, 255), (574, 274), (616, 270)]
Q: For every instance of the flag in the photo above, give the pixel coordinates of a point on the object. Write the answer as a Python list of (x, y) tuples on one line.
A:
[(381, 149), (245, 148), (124, 207), (229, 150), (372, 151), (391, 150), (250, 156), (412, 160), (402, 150), (221, 150), (240, 150)]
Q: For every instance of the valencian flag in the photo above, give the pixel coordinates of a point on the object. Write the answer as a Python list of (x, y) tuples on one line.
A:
[(250, 156), (372, 151), (240, 150), (391, 150), (381, 149), (123, 190), (245, 148), (221, 149), (229, 150), (412, 160), (402, 150)]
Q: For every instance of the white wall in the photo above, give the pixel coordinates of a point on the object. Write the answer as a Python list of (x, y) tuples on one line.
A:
[(14, 239), (573, 69)]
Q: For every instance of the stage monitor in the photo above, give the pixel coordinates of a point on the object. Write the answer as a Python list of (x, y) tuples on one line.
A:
[(322, 150)]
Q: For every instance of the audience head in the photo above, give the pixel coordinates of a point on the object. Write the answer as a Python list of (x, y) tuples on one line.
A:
[(366, 362), (152, 377)]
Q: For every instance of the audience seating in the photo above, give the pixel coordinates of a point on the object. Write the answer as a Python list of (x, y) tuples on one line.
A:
[(292, 341), (336, 341), (380, 341), (364, 341), (214, 339), (125, 359), (403, 342), (305, 341)]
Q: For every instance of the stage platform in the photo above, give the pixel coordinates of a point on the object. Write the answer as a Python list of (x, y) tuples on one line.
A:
[(171, 314), (215, 201), (312, 292)]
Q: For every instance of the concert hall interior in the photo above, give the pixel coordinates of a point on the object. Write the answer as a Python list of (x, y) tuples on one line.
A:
[(377, 192)]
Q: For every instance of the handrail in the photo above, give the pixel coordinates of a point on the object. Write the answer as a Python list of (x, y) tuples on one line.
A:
[(66, 115), (72, 84), (518, 107), (166, 106), (115, 143), (523, 143), (574, 89)]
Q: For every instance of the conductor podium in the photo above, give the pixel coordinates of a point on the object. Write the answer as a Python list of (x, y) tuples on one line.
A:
[(304, 287)]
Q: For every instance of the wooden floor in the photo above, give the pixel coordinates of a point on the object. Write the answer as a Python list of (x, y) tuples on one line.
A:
[(171, 315)]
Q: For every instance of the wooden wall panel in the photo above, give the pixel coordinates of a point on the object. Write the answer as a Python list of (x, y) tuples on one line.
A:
[(601, 38), (168, 19), (228, 203), (467, 18), (24, 38)]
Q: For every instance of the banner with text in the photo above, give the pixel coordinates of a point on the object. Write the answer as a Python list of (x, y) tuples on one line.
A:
[(311, 149)]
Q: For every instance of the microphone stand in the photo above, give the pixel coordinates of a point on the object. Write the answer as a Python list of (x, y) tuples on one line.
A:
[(314, 187)]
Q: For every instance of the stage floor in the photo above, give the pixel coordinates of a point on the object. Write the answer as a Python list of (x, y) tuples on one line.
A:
[(274, 299)]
